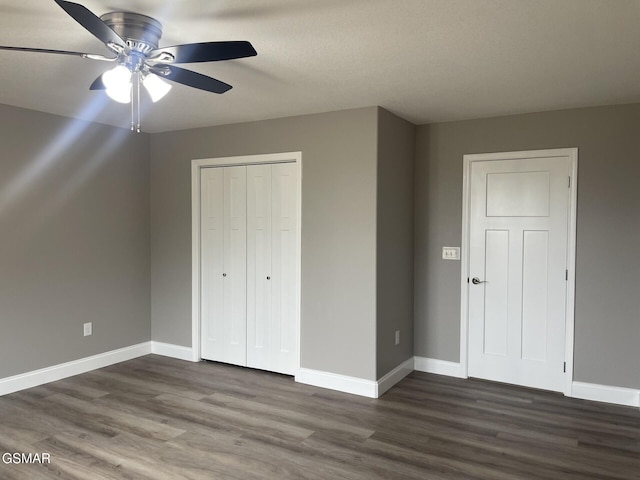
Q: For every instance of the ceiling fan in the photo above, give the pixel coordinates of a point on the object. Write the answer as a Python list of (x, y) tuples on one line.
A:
[(133, 38)]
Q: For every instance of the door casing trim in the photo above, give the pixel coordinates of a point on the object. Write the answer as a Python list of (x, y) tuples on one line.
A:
[(572, 154)]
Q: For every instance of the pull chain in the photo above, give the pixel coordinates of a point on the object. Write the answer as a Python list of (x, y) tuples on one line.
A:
[(132, 122), (138, 101), (135, 126)]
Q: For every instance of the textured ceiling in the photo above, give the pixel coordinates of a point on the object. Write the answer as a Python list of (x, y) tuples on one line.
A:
[(425, 60)]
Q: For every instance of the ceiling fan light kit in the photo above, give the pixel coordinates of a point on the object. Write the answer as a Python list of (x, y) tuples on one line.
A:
[(118, 83), (156, 87), (134, 39)]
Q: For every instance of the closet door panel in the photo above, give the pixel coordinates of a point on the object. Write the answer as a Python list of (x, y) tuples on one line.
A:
[(259, 266), (283, 271), (235, 267), (212, 241)]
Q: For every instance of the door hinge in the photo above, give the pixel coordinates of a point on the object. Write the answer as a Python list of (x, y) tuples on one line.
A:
[(564, 369), (566, 275), (569, 182)]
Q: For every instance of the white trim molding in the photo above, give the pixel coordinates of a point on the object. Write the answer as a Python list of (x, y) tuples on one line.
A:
[(173, 351), (334, 381), (585, 391), (393, 377), (355, 385), (606, 393), (439, 367), (69, 369)]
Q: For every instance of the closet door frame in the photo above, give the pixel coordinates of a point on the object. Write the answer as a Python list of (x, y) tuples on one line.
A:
[(196, 166)]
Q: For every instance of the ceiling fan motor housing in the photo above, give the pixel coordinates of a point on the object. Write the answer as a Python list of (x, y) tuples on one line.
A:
[(142, 33)]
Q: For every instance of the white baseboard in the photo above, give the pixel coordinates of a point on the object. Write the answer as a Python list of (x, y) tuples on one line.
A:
[(173, 351), (606, 393), (394, 376), (69, 369), (355, 385), (334, 381), (586, 391), (439, 367)]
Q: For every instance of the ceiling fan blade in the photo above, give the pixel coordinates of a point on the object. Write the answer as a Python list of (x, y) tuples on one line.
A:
[(98, 84), (207, 51), (58, 52), (92, 23), (191, 79)]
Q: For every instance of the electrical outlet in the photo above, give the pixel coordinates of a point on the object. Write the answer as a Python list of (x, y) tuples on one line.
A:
[(397, 337), (87, 329), (451, 253)]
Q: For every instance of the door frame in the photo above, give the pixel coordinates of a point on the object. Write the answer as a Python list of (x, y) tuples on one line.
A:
[(572, 154), (196, 166)]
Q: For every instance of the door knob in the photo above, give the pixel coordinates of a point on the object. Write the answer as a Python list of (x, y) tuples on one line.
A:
[(224, 274), (477, 281), (268, 278)]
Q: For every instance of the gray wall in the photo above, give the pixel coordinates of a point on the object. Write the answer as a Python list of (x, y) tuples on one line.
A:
[(394, 292), (338, 229), (74, 230), (607, 338), (74, 226)]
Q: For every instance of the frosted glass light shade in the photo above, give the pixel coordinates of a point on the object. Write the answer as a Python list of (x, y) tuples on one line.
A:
[(118, 83), (156, 87)]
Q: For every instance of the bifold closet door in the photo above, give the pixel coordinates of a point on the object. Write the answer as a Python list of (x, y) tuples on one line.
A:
[(223, 200), (271, 269)]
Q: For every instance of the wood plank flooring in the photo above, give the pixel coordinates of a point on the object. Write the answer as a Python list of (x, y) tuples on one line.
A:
[(157, 418)]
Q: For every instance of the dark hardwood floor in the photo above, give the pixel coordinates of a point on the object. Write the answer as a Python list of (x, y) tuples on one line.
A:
[(158, 418)]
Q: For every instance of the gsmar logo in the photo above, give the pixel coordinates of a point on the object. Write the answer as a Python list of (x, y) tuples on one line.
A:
[(18, 458)]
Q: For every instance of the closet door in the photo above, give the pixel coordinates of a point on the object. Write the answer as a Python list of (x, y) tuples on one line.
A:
[(284, 216), (223, 269), (235, 265), (211, 267), (259, 281), (271, 254)]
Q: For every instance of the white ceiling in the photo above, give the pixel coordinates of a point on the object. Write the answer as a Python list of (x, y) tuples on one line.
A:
[(425, 60)]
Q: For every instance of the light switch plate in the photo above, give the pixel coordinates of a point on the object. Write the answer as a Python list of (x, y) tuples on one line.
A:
[(451, 253)]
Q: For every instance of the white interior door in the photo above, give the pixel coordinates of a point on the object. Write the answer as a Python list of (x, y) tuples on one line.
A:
[(248, 217), (235, 264), (223, 270), (518, 242), (259, 314), (271, 266), (212, 263), (283, 268)]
